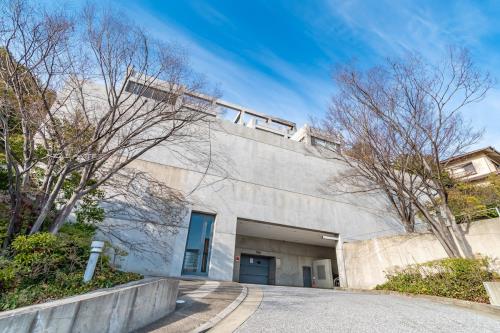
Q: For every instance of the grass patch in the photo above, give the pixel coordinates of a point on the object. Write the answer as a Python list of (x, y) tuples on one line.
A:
[(44, 267), (453, 277)]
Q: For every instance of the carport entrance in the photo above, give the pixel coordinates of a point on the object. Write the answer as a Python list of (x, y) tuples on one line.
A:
[(254, 269), (267, 253)]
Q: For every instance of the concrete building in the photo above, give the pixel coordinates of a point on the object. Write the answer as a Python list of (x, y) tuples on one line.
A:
[(474, 166), (266, 209)]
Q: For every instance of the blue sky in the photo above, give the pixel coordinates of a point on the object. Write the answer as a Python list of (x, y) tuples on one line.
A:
[(277, 56)]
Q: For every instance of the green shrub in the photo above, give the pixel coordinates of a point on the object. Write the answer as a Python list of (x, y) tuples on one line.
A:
[(453, 277), (44, 267)]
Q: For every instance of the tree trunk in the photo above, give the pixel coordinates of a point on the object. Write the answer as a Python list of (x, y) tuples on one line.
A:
[(14, 222), (64, 213), (441, 232), (458, 234), (445, 238), (48, 204), (14, 189)]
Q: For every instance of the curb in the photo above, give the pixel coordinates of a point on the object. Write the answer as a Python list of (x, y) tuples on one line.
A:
[(482, 307), (240, 315), (224, 313)]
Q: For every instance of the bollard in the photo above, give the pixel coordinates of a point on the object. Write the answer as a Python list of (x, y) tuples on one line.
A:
[(95, 250)]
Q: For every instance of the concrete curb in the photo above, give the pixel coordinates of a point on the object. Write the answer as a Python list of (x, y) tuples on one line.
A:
[(224, 313), (240, 315), (482, 307)]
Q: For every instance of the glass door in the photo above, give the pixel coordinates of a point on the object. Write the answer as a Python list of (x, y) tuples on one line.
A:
[(198, 244)]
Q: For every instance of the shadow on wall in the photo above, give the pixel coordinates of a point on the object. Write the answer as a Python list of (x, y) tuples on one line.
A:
[(133, 250), (367, 262), (143, 219)]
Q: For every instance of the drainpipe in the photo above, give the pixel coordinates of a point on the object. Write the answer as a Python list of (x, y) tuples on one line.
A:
[(95, 249)]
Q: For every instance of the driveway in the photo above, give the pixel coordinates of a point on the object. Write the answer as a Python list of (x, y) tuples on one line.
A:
[(200, 302), (289, 309)]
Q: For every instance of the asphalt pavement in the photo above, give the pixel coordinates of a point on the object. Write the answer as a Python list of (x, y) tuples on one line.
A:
[(290, 309)]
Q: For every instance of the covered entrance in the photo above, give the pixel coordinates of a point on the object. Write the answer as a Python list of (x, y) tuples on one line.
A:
[(267, 253)]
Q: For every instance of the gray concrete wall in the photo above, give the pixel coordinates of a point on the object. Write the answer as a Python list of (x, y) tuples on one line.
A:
[(367, 262), (290, 257), (120, 309), (258, 176), (493, 290)]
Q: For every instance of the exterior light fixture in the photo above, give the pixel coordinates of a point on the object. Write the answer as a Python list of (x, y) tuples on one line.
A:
[(330, 237)]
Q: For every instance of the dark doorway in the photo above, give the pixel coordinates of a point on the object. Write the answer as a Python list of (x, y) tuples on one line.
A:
[(254, 269), (306, 276)]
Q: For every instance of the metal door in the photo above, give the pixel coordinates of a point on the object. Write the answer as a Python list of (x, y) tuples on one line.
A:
[(254, 269), (306, 276)]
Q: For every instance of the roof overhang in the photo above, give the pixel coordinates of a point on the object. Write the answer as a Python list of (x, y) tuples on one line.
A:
[(285, 233), (488, 151)]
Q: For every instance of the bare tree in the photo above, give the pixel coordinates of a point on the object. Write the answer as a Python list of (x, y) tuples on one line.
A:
[(106, 93), (32, 43), (147, 100), (399, 121)]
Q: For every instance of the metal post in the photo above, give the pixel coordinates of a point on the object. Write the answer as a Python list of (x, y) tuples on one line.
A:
[(95, 249)]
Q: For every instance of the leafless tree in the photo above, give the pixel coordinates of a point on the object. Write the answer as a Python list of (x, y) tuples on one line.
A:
[(32, 47), (106, 93), (147, 100), (399, 121)]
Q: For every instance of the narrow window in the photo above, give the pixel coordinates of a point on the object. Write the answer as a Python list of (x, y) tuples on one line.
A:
[(197, 254)]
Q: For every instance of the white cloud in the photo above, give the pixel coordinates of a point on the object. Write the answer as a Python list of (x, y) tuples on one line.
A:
[(393, 28), (295, 95), (374, 29)]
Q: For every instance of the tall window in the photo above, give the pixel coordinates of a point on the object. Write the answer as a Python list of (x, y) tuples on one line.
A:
[(197, 254)]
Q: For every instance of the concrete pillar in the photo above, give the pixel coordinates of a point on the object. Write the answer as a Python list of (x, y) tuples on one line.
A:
[(340, 262), (240, 120)]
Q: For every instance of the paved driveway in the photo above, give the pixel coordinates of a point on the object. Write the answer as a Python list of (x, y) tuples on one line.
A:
[(288, 309)]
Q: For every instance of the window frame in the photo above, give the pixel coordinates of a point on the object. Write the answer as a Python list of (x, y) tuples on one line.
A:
[(205, 250)]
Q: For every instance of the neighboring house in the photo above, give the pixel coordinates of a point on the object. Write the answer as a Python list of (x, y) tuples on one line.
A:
[(263, 211), (474, 166)]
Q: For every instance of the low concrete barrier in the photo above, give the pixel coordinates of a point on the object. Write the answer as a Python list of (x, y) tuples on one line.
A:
[(120, 309)]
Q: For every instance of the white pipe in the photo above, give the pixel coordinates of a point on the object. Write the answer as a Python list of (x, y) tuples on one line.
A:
[(95, 249)]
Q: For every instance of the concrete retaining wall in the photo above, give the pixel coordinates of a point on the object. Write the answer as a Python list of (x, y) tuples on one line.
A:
[(367, 262), (121, 309), (493, 290)]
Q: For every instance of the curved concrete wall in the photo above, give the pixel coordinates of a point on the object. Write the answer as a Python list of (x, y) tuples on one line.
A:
[(368, 261), (121, 309)]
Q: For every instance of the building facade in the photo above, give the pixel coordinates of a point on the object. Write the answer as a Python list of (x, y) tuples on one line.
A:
[(266, 205), (474, 166)]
